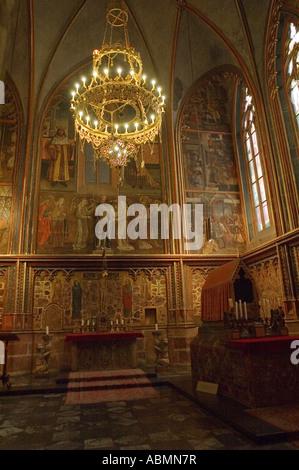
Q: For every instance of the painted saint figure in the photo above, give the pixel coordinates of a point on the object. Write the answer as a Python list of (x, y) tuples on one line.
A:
[(83, 213), (127, 298), (77, 300), (44, 222), (61, 152), (59, 223)]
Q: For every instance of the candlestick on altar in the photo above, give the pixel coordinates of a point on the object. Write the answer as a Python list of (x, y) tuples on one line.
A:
[(156, 326), (47, 330), (236, 310), (245, 311), (260, 309), (240, 304)]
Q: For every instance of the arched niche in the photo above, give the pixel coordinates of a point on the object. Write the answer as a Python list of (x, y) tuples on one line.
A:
[(69, 176), (208, 159), (11, 119)]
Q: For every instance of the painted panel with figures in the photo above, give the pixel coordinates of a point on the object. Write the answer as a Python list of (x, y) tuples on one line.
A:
[(72, 184), (209, 161)]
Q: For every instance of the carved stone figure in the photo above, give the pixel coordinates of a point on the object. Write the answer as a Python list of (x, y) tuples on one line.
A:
[(44, 353), (161, 349)]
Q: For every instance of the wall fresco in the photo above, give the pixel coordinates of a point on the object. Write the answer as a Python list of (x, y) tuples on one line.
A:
[(66, 224), (72, 184), (9, 139), (9, 135), (209, 162)]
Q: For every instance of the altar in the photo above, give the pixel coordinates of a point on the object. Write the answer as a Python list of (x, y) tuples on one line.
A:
[(257, 372), (103, 351), (248, 357)]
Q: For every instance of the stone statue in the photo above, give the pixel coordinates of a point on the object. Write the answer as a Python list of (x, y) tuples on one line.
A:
[(277, 319), (229, 319), (161, 349), (44, 353)]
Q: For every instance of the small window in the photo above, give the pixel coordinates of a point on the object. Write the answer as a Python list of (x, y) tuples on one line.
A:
[(254, 165), (292, 68)]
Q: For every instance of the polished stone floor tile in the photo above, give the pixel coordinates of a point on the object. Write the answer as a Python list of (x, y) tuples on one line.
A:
[(170, 422)]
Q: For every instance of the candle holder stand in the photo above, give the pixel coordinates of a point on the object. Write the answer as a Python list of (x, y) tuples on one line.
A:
[(255, 326)]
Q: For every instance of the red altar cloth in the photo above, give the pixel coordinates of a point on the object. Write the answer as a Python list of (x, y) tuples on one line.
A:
[(268, 344), (108, 336)]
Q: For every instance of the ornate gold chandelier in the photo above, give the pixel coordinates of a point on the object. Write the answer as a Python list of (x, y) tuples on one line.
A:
[(116, 111)]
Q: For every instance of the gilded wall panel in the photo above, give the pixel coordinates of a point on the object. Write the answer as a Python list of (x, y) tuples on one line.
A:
[(268, 281), (3, 291), (61, 298), (199, 276)]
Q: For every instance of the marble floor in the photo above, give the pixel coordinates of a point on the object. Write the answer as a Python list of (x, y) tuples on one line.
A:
[(42, 421)]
